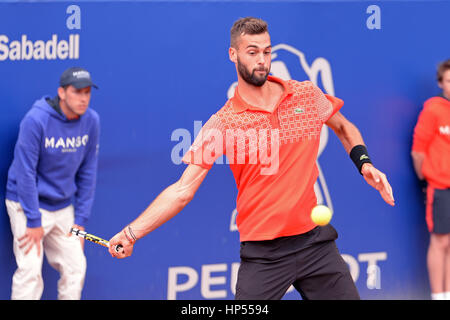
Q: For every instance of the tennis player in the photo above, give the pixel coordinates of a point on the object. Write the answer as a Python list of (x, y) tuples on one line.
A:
[(269, 130)]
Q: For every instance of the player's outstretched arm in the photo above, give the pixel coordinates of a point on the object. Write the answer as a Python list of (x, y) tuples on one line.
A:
[(168, 203), (350, 137)]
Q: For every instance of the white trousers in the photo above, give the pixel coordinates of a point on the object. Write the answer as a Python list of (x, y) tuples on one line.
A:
[(63, 252)]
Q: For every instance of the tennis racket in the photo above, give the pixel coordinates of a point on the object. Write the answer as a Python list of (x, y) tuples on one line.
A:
[(92, 238)]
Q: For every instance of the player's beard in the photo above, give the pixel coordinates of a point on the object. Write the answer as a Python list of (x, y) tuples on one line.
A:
[(252, 78)]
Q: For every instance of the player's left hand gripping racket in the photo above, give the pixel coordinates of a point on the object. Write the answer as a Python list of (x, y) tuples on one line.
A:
[(92, 238)]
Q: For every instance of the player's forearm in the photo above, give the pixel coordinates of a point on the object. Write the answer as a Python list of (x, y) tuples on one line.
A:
[(27, 193), (418, 159), (85, 181), (167, 205), (349, 135)]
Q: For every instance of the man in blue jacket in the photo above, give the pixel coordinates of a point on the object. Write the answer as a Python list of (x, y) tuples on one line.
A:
[(51, 185)]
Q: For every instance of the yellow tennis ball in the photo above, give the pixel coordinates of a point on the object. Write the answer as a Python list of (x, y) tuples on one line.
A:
[(321, 215)]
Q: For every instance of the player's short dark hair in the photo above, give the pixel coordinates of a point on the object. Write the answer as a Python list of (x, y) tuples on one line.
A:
[(248, 25), (442, 68)]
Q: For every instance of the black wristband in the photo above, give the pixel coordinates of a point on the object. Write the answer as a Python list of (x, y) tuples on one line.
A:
[(359, 155)]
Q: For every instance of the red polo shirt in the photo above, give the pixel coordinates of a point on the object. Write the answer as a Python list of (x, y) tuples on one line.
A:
[(272, 157)]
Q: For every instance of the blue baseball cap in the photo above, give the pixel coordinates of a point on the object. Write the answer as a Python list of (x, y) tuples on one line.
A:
[(78, 77)]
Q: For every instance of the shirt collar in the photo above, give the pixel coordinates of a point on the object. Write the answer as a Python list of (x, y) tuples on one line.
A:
[(239, 105)]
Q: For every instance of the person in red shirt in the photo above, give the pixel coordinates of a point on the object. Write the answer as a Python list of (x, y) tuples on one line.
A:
[(269, 131), (431, 159)]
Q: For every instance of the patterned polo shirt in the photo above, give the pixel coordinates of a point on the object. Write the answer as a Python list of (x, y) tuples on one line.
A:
[(272, 156)]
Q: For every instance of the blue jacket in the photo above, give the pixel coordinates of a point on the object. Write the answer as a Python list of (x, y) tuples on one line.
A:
[(55, 163)]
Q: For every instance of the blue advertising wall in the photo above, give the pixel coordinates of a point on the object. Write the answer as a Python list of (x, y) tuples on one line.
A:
[(163, 69)]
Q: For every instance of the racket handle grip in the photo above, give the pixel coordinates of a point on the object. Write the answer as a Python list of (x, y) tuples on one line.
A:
[(118, 247)]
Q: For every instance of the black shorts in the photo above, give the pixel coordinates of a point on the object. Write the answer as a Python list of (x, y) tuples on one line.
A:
[(438, 210), (310, 262)]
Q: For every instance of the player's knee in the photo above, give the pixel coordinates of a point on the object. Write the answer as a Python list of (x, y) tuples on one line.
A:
[(439, 241), (447, 244), (76, 270), (29, 267), (81, 267), (29, 274)]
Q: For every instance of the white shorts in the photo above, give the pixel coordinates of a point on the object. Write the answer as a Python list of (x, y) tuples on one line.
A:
[(63, 252)]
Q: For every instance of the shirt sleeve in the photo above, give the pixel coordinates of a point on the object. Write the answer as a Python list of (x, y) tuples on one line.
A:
[(26, 154), (208, 145), (327, 105), (424, 130), (86, 178)]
